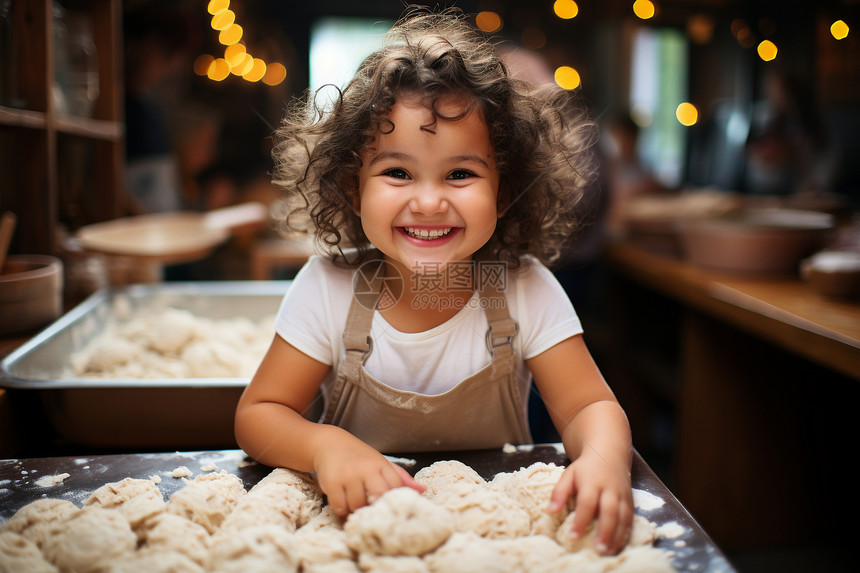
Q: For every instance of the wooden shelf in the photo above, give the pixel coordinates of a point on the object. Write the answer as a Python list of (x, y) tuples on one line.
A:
[(63, 171), (13, 117)]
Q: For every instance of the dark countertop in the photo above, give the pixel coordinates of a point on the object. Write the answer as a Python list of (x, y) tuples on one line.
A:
[(693, 549)]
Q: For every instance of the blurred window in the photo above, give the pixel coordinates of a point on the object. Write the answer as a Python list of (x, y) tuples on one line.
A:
[(658, 84)]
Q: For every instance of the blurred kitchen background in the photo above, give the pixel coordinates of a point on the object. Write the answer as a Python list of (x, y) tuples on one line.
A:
[(112, 109)]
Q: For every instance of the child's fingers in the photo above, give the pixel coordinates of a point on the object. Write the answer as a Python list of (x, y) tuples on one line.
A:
[(586, 508), (407, 480), (625, 525), (337, 501), (607, 523), (562, 492)]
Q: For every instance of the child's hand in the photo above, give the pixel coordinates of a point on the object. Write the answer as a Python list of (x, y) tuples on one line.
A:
[(353, 474), (602, 491)]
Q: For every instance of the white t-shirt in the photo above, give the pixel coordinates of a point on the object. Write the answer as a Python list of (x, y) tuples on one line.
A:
[(312, 318)]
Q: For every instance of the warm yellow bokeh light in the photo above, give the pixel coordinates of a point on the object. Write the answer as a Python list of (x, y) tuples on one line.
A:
[(488, 21), (567, 78), (202, 63), (219, 69), (242, 65), (257, 71), (746, 38), (839, 29), (235, 54), (767, 50), (216, 6), (223, 20), (565, 9), (644, 9), (275, 74), (687, 114), (231, 35)]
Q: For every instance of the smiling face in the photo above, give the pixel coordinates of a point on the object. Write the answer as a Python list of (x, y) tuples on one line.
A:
[(429, 196)]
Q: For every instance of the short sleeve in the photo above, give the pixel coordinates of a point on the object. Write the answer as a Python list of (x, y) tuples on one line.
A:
[(305, 318), (545, 313)]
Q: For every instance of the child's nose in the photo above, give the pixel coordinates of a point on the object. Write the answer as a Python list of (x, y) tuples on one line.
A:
[(429, 200)]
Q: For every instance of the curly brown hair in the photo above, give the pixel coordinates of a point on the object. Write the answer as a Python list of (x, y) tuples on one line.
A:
[(540, 137)]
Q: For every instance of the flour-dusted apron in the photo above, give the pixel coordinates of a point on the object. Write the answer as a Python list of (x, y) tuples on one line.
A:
[(483, 411)]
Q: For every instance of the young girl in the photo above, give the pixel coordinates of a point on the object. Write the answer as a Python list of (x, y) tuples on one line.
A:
[(442, 183)]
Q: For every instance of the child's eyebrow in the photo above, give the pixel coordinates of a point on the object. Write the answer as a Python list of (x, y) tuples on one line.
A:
[(391, 154)]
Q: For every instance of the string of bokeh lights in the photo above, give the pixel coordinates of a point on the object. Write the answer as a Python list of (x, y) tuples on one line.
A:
[(236, 59), (699, 28)]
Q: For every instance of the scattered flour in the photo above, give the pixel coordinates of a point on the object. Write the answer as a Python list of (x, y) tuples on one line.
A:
[(48, 481), (646, 501), (671, 530)]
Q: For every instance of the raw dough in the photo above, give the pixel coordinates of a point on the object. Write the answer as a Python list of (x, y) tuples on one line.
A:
[(467, 553), (36, 519), (463, 523), (484, 511), (136, 499), (275, 503), (207, 499), (443, 474), (261, 548), (155, 562), (643, 533), (167, 532), (89, 540), (400, 522), (18, 554)]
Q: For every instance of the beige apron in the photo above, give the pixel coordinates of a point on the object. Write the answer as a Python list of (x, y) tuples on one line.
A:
[(483, 411)]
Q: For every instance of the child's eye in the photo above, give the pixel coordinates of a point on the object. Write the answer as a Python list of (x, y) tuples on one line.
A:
[(461, 174), (396, 172)]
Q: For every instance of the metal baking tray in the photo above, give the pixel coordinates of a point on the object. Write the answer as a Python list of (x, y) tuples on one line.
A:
[(169, 413)]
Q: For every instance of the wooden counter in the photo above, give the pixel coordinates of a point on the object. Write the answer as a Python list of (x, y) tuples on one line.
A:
[(765, 392), (782, 310)]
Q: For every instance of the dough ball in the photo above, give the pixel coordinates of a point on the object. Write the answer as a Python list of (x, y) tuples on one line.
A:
[(643, 533), (527, 553), (136, 499), (303, 481), (89, 540), (17, 553), (390, 564), (643, 559), (532, 487), (111, 352), (582, 562), (262, 548), (174, 329), (317, 546), (326, 518), (342, 566), (36, 519), (167, 533), (276, 503), (485, 512), (207, 499), (467, 553), (400, 522), (155, 562), (443, 474)]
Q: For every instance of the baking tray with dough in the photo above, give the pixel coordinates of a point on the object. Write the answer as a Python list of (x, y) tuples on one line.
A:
[(188, 402)]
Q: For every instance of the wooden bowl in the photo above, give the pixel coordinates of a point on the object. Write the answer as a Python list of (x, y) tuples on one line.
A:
[(31, 292), (833, 273), (767, 241)]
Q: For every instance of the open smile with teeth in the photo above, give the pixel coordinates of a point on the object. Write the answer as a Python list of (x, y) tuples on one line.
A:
[(427, 234)]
